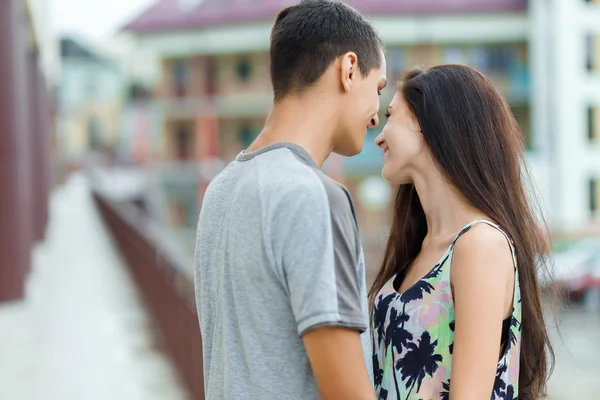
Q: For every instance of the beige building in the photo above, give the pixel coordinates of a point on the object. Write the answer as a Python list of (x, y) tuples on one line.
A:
[(214, 91)]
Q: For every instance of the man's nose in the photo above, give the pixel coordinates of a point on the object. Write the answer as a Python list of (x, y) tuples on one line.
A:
[(374, 121)]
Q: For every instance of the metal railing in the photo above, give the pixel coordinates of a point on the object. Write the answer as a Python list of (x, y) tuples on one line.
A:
[(164, 276)]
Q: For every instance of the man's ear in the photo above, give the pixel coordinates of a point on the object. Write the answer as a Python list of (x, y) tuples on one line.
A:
[(348, 70)]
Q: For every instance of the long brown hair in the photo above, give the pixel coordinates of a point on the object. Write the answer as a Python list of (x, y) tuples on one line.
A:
[(476, 142)]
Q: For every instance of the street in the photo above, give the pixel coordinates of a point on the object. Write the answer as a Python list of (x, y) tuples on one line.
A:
[(577, 349)]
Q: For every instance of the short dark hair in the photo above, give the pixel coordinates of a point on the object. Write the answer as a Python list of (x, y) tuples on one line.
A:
[(309, 36)]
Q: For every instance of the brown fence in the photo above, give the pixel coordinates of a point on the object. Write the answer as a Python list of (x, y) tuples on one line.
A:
[(166, 286)]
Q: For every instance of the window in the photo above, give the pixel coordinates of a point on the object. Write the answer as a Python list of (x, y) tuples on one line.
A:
[(454, 55), (94, 129), (590, 52), (180, 78), (183, 143), (395, 62), (247, 135), (591, 123), (501, 58), (478, 57), (494, 59), (595, 197), (522, 116), (243, 69), (210, 82)]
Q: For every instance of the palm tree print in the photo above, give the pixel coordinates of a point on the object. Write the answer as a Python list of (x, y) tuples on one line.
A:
[(445, 394), (418, 362), (379, 312), (437, 269), (398, 338), (416, 291), (395, 334), (383, 394), (416, 347), (509, 394), (512, 337), (377, 371), (452, 325), (499, 384)]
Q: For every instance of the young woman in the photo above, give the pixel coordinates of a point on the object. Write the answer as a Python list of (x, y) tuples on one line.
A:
[(456, 305)]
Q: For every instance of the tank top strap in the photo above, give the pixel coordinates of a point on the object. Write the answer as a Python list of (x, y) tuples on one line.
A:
[(493, 225)]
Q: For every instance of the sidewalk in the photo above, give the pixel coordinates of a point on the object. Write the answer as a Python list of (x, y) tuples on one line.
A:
[(82, 333)]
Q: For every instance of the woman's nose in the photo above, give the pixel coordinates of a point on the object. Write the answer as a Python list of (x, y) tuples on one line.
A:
[(379, 140)]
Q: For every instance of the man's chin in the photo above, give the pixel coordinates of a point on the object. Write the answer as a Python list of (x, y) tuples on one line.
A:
[(349, 151)]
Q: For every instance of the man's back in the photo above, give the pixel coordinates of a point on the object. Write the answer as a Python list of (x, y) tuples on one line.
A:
[(278, 254)]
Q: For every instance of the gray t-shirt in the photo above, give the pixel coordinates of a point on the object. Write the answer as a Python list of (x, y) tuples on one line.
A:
[(278, 253)]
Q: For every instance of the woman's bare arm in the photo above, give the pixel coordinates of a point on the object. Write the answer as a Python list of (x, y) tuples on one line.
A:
[(482, 278)]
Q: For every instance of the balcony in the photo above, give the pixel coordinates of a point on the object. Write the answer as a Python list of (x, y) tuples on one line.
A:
[(240, 105)]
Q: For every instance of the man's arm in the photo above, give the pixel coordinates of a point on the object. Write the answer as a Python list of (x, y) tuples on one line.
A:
[(338, 364), (316, 241)]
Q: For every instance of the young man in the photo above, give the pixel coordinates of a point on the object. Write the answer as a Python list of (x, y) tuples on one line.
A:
[(280, 275)]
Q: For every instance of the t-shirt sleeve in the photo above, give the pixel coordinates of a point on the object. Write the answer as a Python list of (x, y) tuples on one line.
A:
[(317, 236)]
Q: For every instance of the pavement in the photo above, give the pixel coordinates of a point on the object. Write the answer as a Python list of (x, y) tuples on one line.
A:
[(82, 333), (576, 341)]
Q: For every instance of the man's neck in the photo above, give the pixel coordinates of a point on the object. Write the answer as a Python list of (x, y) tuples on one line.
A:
[(307, 124)]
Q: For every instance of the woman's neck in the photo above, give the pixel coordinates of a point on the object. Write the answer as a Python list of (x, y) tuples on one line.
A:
[(446, 210)]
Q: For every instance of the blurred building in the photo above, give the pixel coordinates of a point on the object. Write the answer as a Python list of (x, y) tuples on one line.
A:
[(28, 67), (214, 90), (91, 98), (565, 50)]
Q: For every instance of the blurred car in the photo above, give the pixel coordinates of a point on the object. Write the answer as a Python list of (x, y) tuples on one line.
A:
[(591, 297), (577, 272)]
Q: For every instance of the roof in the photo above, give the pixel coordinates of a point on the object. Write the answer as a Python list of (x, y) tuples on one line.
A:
[(74, 49), (70, 47), (167, 15)]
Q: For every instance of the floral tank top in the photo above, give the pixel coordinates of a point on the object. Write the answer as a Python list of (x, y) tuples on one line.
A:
[(413, 336)]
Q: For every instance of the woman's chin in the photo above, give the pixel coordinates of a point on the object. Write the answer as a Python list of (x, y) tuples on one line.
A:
[(394, 177), (389, 178)]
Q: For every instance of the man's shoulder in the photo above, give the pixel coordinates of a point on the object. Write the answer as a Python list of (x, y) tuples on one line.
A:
[(315, 184), (337, 193), (279, 177)]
